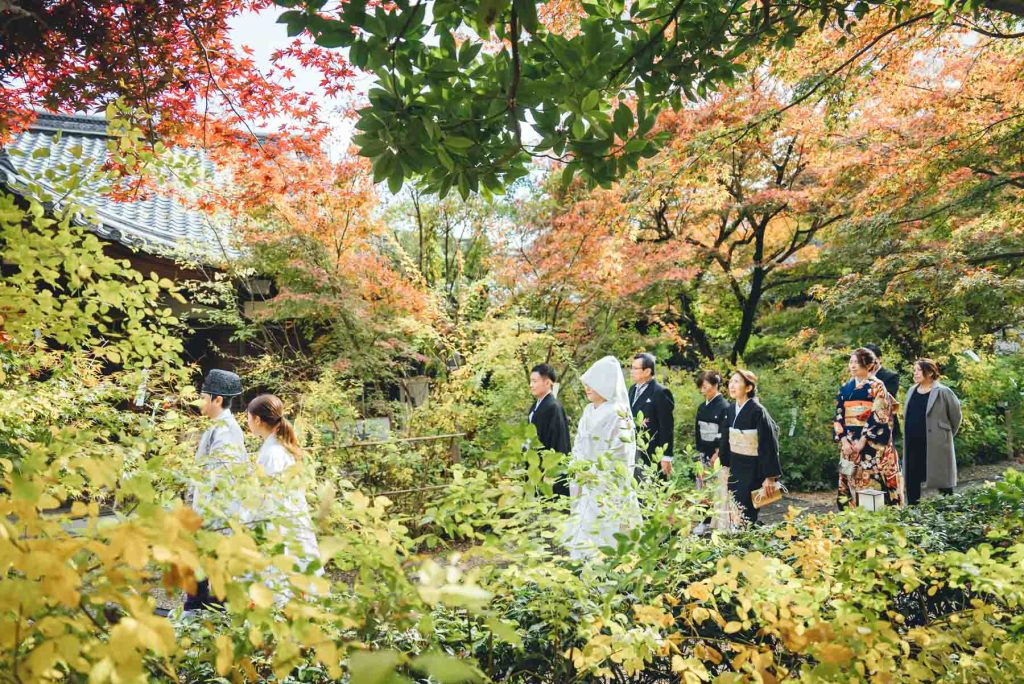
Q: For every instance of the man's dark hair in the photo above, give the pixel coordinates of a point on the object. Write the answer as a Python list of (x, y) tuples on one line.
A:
[(647, 360), (228, 403), (876, 350), (545, 371), (711, 377)]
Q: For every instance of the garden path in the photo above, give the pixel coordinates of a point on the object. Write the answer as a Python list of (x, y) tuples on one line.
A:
[(825, 502)]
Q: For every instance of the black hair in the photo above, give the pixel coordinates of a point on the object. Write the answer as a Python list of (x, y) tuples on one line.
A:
[(711, 377), (545, 371), (874, 349), (228, 403), (647, 361), (749, 379), (865, 359)]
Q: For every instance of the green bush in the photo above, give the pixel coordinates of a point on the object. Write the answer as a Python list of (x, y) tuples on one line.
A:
[(989, 389), (903, 595)]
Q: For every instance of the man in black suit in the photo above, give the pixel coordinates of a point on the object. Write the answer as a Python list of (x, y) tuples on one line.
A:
[(891, 380), (656, 404), (548, 416)]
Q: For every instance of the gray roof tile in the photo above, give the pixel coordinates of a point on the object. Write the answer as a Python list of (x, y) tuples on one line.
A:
[(157, 224)]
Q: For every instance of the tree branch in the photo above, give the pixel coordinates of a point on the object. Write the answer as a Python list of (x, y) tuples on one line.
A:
[(513, 85), (1013, 7), (655, 37)]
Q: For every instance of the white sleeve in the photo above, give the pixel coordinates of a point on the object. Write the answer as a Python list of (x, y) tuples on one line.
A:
[(275, 459), (613, 437), (225, 447), (580, 443)]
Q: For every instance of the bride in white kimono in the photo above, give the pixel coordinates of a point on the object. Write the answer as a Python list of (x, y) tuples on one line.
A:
[(284, 504), (604, 501)]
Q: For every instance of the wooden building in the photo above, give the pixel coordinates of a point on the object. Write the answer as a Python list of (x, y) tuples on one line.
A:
[(155, 233)]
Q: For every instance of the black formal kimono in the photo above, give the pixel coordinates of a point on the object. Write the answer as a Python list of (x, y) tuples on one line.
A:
[(708, 427), (657, 404), (750, 449), (548, 417)]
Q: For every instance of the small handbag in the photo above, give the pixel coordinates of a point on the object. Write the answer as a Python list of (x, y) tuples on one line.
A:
[(760, 499)]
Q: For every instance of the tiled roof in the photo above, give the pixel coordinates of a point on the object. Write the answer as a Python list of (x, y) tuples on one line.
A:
[(155, 224)]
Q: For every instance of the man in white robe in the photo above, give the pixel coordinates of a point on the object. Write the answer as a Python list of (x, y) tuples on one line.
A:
[(221, 462), (604, 501)]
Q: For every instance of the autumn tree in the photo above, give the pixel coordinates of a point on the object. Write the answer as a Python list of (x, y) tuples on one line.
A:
[(762, 216), (935, 245), (739, 216), (456, 85), (172, 64), (569, 264), (451, 242)]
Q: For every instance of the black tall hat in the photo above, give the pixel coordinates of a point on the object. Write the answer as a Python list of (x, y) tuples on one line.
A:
[(222, 383)]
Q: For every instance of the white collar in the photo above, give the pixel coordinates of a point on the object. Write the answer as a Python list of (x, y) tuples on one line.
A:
[(708, 401)]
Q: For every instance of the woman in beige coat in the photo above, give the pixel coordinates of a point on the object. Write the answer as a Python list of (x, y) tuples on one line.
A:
[(932, 418)]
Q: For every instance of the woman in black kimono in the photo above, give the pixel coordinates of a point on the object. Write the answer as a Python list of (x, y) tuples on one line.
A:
[(708, 423), (750, 445)]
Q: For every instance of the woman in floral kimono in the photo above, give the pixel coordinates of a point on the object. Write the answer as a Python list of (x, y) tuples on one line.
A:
[(863, 426)]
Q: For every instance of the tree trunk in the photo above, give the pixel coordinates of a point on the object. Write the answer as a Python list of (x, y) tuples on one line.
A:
[(688, 317), (419, 228), (750, 305), (753, 300)]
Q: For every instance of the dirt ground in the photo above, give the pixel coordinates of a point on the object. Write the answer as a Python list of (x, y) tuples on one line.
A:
[(824, 502)]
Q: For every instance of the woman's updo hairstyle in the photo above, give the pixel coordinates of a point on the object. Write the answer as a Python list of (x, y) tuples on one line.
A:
[(270, 410), (750, 380), (929, 368), (866, 359)]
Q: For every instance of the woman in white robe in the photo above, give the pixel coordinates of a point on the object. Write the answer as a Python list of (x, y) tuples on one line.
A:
[(284, 506), (603, 497)]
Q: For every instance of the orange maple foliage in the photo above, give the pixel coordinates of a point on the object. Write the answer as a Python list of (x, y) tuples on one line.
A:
[(843, 144)]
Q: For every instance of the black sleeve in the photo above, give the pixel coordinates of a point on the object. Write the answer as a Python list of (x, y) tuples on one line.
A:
[(665, 406), (768, 448), (560, 431), (724, 454), (892, 383)]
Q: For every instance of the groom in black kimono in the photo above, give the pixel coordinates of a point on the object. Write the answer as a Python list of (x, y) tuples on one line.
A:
[(548, 416), (657, 404)]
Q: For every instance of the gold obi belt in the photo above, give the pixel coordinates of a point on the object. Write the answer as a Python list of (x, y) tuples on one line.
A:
[(743, 442), (708, 431), (856, 412)]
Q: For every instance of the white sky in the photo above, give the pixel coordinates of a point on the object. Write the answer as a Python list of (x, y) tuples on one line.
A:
[(261, 32)]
